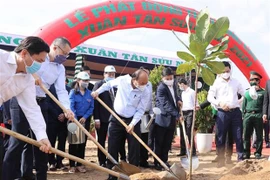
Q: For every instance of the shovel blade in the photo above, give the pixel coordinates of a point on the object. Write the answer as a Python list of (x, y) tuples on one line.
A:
[(195, 163), (126, 168)]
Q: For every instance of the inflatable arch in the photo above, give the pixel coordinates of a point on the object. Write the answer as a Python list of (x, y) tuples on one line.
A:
[(101, 18)]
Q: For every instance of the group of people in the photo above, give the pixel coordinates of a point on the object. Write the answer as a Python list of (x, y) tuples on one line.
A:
[(27, 110)]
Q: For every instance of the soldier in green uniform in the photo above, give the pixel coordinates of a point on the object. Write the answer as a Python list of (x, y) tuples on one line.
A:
[(252, 115)]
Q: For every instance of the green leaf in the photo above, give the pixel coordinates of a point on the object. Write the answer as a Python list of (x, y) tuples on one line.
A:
[(180, 40), (185, 56), (218, 29), (214, 48), (202, 24), (208, 76), (215, 66), (223, 55), (197, 48), (185, 67), (210, 58), (225, 39), (223, 47)]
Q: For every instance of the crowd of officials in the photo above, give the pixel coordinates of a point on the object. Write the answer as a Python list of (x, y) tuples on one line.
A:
[(26, 109)]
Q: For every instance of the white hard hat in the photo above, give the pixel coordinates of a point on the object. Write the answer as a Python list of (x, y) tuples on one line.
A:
[(83, 76), (109, 69)]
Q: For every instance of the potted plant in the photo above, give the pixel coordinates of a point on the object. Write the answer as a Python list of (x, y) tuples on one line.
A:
[(201, 57), (204, 124)]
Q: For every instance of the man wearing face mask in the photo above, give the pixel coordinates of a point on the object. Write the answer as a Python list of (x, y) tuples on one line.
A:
[(51, 72), (165, 123), (188, 98), (130, 104), (223, 95), (101, 114), (16, 81), (252, 114)]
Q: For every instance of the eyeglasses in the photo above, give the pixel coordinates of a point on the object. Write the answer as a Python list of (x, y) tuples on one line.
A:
[(64, 53), (254, 79)]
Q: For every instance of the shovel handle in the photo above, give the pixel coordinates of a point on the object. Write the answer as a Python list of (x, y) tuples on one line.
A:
[(80, 126), (149, 123), (63, 154), (185, 134), (134, 134)]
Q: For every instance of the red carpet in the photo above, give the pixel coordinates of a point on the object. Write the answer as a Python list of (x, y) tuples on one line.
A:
[(265, 151)]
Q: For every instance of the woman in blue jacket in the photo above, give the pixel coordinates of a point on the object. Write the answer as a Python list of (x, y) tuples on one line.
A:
[(82, 104)]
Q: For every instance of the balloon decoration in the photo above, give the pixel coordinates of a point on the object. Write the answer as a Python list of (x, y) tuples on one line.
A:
[(104, 17)]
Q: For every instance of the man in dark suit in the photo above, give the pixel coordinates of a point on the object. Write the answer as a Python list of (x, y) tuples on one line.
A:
[(266, 107), (56, 129), (168, 102), (101, 114)]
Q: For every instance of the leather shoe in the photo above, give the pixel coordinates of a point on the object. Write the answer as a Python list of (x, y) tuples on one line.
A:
[(52, 167), (158, 167), (181, 154), (144, 165)]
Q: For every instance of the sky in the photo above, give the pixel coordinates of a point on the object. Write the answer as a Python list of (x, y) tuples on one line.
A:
[(249, 20)]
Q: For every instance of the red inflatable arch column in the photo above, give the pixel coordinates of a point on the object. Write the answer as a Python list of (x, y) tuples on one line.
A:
[(94, 20)]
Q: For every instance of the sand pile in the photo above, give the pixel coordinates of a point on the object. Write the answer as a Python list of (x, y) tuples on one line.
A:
[(249, 169), (145, 176)]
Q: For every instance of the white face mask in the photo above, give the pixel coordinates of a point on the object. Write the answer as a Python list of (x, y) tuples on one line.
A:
[(141, 88), (168, 82), (225, 75)]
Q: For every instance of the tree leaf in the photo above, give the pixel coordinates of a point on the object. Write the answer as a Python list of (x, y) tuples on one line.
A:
[(215, 66), (223, 55), (218, 29), (180, 40), (208, 76), (197, 48), (185, 56), (223, 47), (185, 67), (202, 24)]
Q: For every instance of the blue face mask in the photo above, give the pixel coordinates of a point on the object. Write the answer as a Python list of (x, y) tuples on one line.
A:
[(109, 78), (60, 59), (33, 68)]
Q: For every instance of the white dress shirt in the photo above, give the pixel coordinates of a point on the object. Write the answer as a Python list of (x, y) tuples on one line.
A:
[(225, 92), (21, 85), (128, 101), (172, 93), (149, 106), (188, 98), (53, 73)]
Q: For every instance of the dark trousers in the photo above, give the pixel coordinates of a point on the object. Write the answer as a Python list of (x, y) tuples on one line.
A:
[(12, 158), (228, 144), (151, 136), (266, 131), (56, 130), (102, 134), (253, 121), (143, 151), (229, 120), (79, 149), (163, 142), (118, 136), (188, 118)]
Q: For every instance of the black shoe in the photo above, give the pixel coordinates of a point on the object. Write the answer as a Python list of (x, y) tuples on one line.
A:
[(60, 166), (52, 167), (158, 167), (267, 145), (112, 178), (228, 160), (181, 154), (167, 164), (144, 165), (220, 164), (246, 156), (103, 165), (258, 156)]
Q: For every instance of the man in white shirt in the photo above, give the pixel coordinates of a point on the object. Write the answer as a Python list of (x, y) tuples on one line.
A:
[(223, 94), (130, 104), (188, 99), (16, 80), (51, 72)]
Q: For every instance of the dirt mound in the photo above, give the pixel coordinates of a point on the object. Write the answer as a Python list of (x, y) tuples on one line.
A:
[(145, 176), (249, 169)]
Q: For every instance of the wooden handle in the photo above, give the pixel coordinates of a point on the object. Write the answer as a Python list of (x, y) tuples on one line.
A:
[(185, 133), (80, 126), (134, 134), (63, 154), (149, 123)]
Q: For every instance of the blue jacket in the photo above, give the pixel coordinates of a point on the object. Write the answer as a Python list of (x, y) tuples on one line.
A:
[(164, 101), (81, 105)]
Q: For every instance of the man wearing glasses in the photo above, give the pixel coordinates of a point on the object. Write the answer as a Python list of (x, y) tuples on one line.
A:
[(253, 116), (51, 72)]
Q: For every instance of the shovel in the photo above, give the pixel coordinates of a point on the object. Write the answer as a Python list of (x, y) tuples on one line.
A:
[(156, 111), (63, 154), (137, 137), (185, 160), (125, 167)]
